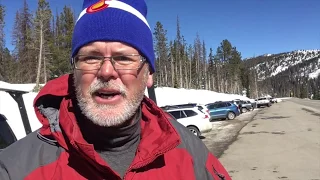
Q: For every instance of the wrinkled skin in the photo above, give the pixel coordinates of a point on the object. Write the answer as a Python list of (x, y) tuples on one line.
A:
[(130, 83)]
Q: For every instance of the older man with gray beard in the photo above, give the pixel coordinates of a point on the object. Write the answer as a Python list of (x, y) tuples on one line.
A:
[(97, 123)]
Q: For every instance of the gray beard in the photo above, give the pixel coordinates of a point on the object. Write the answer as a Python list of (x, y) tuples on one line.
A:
[(109, 115)]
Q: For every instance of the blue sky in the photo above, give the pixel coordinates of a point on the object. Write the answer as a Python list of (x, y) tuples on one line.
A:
[(255, 27)]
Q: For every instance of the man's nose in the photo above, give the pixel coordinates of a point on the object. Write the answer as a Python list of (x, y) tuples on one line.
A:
[(107, 70)]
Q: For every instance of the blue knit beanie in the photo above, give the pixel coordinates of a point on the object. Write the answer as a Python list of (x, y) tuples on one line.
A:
[(115, 20)]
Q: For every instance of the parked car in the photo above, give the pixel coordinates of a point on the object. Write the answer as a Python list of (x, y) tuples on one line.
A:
[(223, 110), (253, 103), (263, 101), (204, 109), (200, 107), (237, 103), (243, 106), (193, 119), (273, 100)]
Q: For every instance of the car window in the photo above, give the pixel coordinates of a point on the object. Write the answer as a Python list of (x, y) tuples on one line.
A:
[(209, 106), (190, 113), (6, 135), (212, 106), (221, 105), (177, 114), (228, 104), (200, 108)]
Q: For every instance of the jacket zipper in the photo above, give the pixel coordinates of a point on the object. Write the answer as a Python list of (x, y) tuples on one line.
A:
[(151, 159)]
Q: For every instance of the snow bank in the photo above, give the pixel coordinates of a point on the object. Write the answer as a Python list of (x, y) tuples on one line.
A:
[(164, 95)]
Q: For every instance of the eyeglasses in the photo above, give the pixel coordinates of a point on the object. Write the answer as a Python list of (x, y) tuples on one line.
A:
[(122, 62)]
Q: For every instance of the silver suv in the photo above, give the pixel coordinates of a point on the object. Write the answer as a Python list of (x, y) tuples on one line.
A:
[(263, 101)]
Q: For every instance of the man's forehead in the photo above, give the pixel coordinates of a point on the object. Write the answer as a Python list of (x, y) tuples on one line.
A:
[(112, 47)]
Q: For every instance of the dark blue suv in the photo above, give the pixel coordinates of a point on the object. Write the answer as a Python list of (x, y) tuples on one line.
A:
[(223, 110)]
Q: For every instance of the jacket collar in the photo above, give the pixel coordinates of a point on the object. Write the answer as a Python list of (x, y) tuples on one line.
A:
[(157, 133)]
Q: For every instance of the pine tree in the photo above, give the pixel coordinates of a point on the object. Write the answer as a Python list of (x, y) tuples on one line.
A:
[(185, 63), (211, 70), (161, 50), (172, 63), (197, 63), (61, 52), (24, 45), (234, 66), (7, 65), (191, 66), (179, 53), (42, 31), (2, 44), (244, 77), (10, 66), (205, 66), (224, 54)]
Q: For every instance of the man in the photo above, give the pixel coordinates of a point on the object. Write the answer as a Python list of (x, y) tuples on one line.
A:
[(97, 123)]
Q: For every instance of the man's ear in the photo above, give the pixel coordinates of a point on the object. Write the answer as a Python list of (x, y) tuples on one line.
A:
[(150, 80)]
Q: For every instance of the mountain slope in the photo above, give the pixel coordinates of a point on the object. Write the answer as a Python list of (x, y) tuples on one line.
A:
[(290, 73), (271, 65)]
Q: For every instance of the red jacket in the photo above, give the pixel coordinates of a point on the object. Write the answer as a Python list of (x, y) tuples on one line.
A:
[(58, 151)]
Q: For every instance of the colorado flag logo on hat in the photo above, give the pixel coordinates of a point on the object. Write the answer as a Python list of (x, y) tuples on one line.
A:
[(103, 4), (97, 6)]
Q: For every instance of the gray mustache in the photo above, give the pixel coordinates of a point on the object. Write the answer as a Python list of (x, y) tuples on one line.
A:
[(95, 86)]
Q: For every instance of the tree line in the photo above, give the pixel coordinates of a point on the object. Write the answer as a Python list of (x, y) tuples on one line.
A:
[(41, 41), (42, 49), (192, 66)]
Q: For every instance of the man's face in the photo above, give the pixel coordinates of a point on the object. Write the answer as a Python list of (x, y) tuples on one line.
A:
[(110, 97)]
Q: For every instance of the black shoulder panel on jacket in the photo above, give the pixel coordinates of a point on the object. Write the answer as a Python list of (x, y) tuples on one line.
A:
[(26, 155), (196, 148)]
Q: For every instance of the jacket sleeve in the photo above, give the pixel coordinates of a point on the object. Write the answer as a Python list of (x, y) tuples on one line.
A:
[(216, 169)]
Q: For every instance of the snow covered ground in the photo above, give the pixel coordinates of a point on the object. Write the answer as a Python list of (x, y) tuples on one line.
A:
[(164, 95), (315, 74), (172, 96)]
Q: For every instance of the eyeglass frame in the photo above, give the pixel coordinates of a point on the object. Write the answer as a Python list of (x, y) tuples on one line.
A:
[(103, 59)]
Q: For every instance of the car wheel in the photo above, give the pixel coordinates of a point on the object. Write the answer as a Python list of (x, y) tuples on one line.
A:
[(194, 130), (244, 110), (231, 115)]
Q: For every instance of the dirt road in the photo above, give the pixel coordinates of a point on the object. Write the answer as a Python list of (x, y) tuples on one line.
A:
[(281, 142)]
